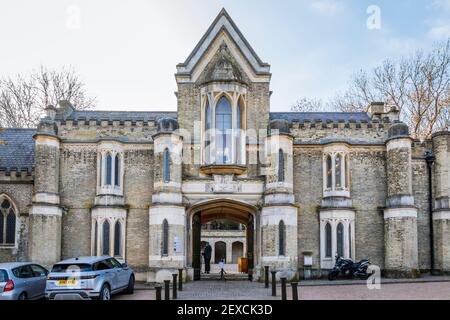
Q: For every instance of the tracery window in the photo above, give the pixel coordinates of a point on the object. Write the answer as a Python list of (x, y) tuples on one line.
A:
[(336, 173), (224, 125), (7, 222)]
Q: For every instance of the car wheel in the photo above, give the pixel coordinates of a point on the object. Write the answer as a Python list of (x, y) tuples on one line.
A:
[(105, 293), (22, 296), (130, 288)]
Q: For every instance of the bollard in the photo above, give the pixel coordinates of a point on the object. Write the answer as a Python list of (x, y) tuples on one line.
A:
[(166, 290), (180, 279), (283, 288), (266, 276), (158, 292), (294, 290), (174, 286), (274, 283)]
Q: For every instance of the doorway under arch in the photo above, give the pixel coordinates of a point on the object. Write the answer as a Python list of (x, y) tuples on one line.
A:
[(212, 210), (220, 252), (237, 250)]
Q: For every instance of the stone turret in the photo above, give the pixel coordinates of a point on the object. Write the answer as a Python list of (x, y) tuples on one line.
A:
[(167, 214), (280, 249), (441, 212), (46, 213), (400, 214)]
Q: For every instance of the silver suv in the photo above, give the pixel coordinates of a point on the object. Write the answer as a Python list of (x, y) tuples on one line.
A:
[(89, 277)]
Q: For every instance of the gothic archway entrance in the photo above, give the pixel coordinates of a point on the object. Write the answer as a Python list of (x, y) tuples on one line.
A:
[(214, 210)]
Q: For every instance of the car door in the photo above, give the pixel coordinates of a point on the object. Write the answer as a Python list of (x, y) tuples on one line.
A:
[(107, 269), (121, 273), (39, 279), (24, 281)]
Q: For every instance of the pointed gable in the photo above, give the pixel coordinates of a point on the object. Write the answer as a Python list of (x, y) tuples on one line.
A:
[(223, 32)]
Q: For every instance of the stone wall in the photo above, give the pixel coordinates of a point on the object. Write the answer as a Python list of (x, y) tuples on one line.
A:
[(20, 191), (78, 181), (421, 196), (139, 166), (367, 191)]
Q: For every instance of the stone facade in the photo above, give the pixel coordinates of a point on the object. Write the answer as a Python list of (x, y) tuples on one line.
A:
[(137, 185)]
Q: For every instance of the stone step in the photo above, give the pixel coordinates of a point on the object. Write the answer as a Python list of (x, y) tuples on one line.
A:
[(230, 276)]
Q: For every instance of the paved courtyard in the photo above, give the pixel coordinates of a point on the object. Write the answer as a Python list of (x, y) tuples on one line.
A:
[(239, 290)]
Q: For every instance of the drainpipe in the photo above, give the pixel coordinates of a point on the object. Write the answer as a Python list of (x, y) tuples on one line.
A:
[(429, 158)]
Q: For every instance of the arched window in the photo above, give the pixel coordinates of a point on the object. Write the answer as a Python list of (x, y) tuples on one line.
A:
[(108, 169), (347, 173), (338, 170), (207, 116), (350, 241), (7, 222), (117, 170), (166, 160), (239, 116), (340, 239), (280, 166), (207, 132), (328, 241), (329, 172), (223, 131), (105, 241), (117, 239), (281, 238), (95, 238), (165, 238)]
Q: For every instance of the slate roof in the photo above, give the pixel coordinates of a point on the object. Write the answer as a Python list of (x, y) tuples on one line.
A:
[(17, 149), (118, 115), (322, 116)]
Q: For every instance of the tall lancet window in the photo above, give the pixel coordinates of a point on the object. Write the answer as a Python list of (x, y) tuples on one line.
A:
[(340, 239), (240, 143), (117, 170), (280, 166), (105, 237), (281, 238), (166, 160), (329, 172), (328, 241), (207, 132), (117, 239), (223, 131), (108, 169), (165, 238)]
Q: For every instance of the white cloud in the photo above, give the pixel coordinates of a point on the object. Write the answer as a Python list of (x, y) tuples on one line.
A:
[(325, 7), (440, 31), (442, 4)]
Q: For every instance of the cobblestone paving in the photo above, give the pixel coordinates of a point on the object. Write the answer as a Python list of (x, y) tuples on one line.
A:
[(238, 290)]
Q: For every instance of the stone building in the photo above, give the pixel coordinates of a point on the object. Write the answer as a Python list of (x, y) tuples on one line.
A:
[(139, 185)]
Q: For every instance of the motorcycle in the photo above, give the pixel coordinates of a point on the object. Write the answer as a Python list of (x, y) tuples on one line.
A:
[(349, 268)]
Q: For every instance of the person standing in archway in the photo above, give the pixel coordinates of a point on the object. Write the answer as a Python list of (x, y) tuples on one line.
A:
[(207, 256)]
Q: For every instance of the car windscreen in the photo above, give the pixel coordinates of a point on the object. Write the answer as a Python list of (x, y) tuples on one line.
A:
[(72, 267), (3, 276)]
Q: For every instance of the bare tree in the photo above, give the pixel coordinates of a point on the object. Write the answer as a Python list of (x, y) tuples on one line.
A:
[(419, 85), (23, 99), (308, 105)]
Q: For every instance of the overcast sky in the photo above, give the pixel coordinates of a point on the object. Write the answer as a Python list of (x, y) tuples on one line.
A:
[(126, 51)]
